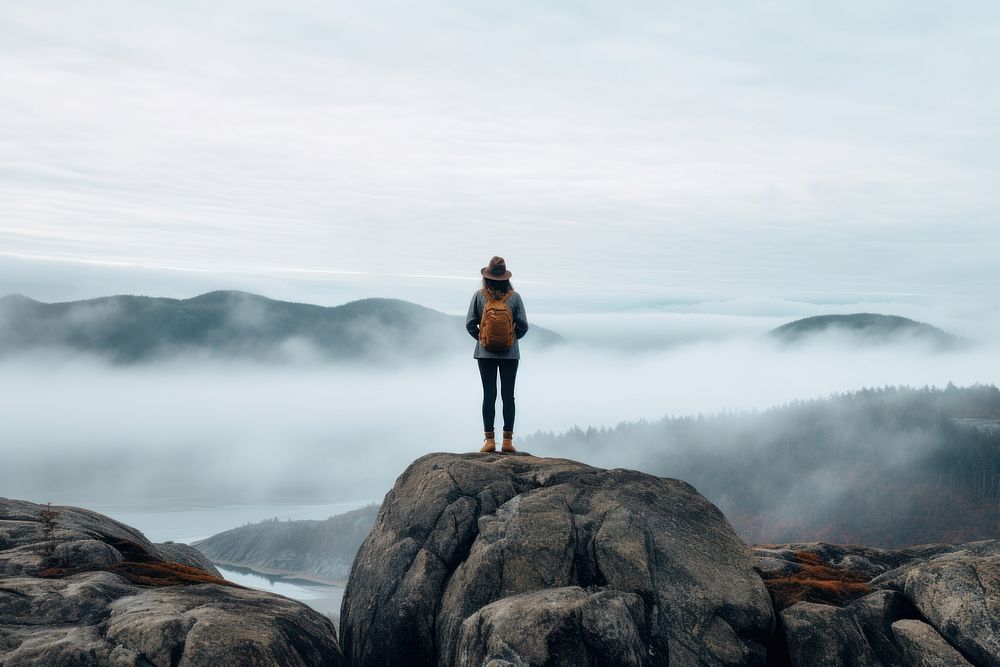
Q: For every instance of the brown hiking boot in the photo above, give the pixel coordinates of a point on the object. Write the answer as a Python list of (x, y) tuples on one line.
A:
[(489, 445), (508, 442)]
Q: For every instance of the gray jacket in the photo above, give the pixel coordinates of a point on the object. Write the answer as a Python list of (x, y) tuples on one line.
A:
[(476, 315)]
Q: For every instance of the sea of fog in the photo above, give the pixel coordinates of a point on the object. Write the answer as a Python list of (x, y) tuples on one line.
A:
[(186, 435)]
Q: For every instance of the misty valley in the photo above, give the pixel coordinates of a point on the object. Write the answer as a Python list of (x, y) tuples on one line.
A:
[(234, 399), (887, 467)]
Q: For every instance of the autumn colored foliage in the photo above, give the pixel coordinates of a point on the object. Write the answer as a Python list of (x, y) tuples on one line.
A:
[(165, 573), (143, 568), (816, 581)]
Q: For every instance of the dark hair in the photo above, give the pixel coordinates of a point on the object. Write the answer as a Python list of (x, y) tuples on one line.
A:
[(498, 287)]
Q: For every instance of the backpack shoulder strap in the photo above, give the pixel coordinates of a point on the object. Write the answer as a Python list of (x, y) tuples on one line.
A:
[(506, 296)]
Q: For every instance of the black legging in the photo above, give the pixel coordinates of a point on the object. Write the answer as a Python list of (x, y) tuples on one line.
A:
[(488, 372)]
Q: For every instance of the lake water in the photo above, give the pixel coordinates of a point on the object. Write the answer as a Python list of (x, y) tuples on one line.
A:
[(188, 522), (321, 597)]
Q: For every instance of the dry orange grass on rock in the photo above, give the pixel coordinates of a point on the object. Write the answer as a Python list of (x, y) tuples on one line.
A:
[(144, 569), (165, 574), (149, 573), (816, 582)]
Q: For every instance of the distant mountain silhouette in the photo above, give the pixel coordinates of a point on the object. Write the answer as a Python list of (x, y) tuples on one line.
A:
[(870, 327), (128, 329)]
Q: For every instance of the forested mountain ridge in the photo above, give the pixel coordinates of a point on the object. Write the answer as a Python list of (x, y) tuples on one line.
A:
[(886, 467), (869, 327), (128, 329)]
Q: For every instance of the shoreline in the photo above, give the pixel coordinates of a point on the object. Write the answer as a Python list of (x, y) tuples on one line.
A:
[(288, 576)]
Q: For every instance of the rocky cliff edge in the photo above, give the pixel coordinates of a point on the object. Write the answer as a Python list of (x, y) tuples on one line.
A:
[(78, 588), (517, 560), (508, 561)]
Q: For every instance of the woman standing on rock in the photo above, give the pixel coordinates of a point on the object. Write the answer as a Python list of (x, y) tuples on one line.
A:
[(496, 320)]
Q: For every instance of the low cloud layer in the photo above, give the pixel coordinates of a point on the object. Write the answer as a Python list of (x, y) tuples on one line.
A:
[(80, 432)]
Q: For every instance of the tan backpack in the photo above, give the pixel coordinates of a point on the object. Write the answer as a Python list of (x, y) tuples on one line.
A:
[(496, 328)]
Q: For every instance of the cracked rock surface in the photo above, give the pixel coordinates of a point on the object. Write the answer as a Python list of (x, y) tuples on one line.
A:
[(508, 560), (923, 647), (933, 604), (958, 593)]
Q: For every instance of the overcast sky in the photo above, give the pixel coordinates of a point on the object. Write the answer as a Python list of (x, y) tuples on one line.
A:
[(614, 151)]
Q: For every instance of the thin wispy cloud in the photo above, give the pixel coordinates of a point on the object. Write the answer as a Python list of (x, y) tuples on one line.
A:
[(747, 150)]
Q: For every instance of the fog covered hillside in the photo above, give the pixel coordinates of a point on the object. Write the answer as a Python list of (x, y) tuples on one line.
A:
[(883, 467), (870, 328), (323, 548), (128, 329)]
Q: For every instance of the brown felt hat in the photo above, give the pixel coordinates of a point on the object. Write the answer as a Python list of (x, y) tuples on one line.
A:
[(497, 270)]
